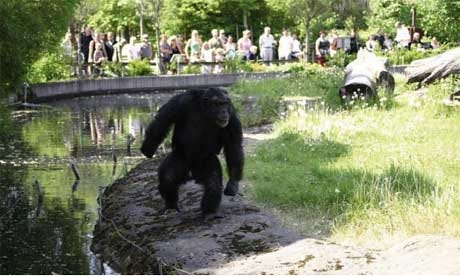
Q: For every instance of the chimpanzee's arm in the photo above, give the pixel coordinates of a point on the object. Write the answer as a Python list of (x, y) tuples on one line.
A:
[(234, 155), (158, 129)]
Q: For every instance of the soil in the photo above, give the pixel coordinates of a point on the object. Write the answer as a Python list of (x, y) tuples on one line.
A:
[(134, 238)]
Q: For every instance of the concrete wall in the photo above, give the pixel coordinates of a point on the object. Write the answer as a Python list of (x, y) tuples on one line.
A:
[(54, 90)]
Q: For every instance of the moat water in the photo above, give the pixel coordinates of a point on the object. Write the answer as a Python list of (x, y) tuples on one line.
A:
[(47, 215)]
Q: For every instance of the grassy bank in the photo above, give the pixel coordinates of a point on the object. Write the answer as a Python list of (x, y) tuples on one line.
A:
[(371, 173), (310, 80)]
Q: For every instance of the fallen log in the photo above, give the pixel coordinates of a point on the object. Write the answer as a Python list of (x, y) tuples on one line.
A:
[(364, 75), (427, 70)]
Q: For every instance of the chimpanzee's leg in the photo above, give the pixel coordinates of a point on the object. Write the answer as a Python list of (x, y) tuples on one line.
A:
[(209, 174), (172, 173)]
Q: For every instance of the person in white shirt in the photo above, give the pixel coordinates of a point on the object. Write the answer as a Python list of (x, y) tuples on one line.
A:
[(402, 35), (296, 47), (285, 46), (266, 43)]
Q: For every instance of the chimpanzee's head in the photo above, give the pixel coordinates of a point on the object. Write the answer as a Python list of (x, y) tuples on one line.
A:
[(217, 106)]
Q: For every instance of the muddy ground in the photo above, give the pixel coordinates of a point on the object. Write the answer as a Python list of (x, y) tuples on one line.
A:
[(133, 238)]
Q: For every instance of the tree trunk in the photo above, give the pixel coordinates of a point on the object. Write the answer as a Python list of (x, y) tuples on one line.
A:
[(364, 75), (428, 70)]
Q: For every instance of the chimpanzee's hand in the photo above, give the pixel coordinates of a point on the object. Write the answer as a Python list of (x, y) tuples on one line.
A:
[(231, 189)]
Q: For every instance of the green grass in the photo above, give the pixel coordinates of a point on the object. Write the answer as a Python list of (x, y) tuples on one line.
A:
[(372, 172), (301, 80)]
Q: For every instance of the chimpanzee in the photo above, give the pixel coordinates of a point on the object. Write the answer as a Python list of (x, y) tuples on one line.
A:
[(204, 122)]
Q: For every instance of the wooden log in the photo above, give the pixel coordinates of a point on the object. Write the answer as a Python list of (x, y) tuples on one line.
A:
[(364, 75), (427, 70)]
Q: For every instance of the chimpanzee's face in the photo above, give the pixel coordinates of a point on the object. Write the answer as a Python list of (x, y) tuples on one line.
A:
[(217, 106)]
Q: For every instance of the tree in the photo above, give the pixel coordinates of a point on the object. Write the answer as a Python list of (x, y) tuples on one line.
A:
[(183, 16), (440, 18), (308, 13), (29, 28), (386, 13)]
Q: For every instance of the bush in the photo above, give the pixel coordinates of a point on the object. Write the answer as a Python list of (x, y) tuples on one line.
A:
[(236, 65), (191, 69), (139, 68), (49, 67)]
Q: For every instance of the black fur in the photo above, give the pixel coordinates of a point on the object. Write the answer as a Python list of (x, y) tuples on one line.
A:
[(204, 123)]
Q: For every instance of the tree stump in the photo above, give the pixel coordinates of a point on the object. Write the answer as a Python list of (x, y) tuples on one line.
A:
[(427, 70), (364, 75)]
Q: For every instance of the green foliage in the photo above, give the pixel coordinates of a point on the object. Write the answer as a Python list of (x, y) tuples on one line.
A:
[(49, 67), (29, 28), (386, 13), (306, 80), (404, 56), (341, 59), (192, 69), (182, 16), (139, 68), (114, 68), (115, 16), (236, 65), (439, 18)]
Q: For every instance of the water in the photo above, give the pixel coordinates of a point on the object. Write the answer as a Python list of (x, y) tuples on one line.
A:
[(46, 216)]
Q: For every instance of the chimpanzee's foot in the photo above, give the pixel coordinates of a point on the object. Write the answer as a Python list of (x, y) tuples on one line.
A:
[(168, 207), (212, 216)]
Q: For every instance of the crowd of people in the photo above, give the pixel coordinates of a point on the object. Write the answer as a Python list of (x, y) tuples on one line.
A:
[(327, 47), (97, 48)]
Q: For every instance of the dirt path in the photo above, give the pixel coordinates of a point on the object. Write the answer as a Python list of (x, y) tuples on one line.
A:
[(134, 239)]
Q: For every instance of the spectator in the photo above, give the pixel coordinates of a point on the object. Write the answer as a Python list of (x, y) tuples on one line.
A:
[(165, 49), (334, 46), (98, 38), (380, 39), (402, 35), (175, 47), (253, 53), (98, 58), (387, 43), (69, 53), (285, 46), (219, 58), (109, 45), (194, 44), (215, 41), (180, 43), (207, 55), (354, 45), (230, 48), (117, 51), (372, 43), (266, 43), (222, 37), (434, 43), (244, 44), (322, 48), (416, 40), (145, 49), (131, 50), (85, 39), (296, 47)]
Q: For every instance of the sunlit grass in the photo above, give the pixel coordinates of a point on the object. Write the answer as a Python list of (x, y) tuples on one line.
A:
[(374, 172)]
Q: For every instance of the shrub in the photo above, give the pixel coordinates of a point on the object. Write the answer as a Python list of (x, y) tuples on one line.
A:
[(236, 65), (139, 68), (49, 67), (191, 69)]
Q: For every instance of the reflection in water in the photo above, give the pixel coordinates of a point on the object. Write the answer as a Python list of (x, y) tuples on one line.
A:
[(46, 213)]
